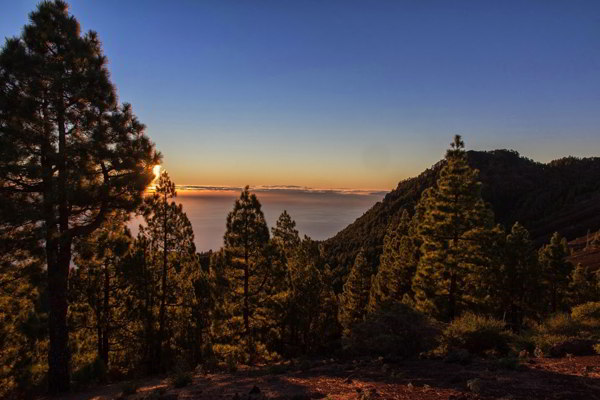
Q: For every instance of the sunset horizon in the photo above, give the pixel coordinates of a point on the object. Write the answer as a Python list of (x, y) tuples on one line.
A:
[(293, 200)]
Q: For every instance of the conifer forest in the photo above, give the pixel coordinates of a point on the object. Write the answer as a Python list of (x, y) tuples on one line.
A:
[(477, 279)]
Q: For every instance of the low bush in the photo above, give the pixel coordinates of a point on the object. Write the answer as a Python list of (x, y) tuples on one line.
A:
[(587, 316), (477, 334), (545, 342), (574, 333), (559, 324), (395, 331)]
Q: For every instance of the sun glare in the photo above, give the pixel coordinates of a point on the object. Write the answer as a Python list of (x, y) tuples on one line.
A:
[(156, 171)]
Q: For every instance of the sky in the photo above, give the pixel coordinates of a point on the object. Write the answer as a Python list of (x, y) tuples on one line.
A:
[(346, 94)]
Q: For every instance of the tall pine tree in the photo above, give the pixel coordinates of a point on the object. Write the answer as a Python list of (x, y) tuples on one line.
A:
[(248, 267), (69, 154), (516, 284), (397, 265), (170, 236), (556, 271), (355, 297), (98, 282), (453, 217)]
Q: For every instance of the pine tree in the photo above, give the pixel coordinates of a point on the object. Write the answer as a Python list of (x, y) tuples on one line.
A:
[(69, 154), (248, 266), (171, 238), (285, 234), (516, 283), (556, 270), (286, 240), (397, 265), (23, 314), (309, 312), (453, 219), (98, 283), (583, 285), (355, 297)]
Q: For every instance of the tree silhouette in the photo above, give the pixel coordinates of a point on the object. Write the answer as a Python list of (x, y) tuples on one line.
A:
[(452, 217), (355, 297), (556, 271), (69, 154), (248, 266)]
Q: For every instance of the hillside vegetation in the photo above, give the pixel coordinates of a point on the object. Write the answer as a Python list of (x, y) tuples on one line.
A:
[(560, 196)]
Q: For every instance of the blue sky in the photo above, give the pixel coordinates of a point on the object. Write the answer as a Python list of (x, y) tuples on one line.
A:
[(353, 94)]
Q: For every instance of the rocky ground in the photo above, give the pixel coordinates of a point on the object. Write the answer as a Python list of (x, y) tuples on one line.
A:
[(568, 378)]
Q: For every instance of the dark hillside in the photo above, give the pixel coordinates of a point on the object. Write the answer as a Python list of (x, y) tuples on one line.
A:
[(563, 196), (586, 251)]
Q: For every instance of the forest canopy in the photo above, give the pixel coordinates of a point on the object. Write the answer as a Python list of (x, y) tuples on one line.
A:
[(470, 258)]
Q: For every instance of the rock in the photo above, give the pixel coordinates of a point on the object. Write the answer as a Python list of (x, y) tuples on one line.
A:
[(578, 347)]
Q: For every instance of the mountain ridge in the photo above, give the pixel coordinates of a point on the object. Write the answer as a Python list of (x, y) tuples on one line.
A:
[(562, 195)]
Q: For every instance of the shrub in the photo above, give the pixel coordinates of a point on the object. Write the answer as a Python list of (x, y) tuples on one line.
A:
[(587, 316), (395, 331), (545, 342), (587, 311), (477, 335), (559, 324)]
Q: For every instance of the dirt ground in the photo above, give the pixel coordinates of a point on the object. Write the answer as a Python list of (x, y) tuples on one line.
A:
[(557, 379)]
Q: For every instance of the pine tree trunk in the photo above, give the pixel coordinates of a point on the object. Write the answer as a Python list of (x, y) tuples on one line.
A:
[(246, 295), (58, 253), (58, 353), (106, 317), (163, 299), (452, 297)]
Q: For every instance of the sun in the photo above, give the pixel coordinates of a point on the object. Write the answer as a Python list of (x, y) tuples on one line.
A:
[(156, 171)]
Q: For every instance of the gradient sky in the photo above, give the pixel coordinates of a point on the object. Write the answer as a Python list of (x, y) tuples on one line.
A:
[(356, 94)]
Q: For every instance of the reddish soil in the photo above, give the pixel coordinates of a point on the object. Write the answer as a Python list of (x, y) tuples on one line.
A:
[(553, 379)]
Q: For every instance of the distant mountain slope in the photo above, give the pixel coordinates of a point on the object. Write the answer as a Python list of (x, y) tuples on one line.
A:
[(563, 196), (585, 253)]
